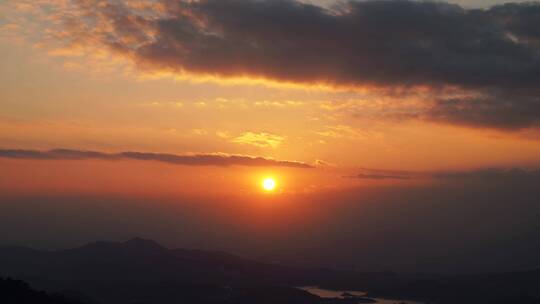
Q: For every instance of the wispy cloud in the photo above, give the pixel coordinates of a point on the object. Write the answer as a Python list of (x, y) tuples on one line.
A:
[(219, 159)]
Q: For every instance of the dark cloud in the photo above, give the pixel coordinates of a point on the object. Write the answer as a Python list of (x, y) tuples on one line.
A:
[(515, 175), (522, 20), (378, 176), (494, 53), (381, 174), (502, 109), (488, 175), (186, 160), (368, 42)]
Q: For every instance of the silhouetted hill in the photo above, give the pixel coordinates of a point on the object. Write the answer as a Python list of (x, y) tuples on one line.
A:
[(137, 256), (142, 271)]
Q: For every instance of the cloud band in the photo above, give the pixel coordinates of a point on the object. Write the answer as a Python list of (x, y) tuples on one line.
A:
[(186, 160)]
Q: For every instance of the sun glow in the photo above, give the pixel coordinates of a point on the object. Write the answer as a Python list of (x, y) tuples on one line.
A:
[(269, 184)]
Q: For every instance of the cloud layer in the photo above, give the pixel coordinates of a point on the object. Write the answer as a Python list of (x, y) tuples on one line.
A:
[(490, 175), (376, 174), (186, 160), (492, 56)]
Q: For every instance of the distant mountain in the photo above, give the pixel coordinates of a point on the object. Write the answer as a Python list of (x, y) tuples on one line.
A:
[(138, 257), (142, 271)]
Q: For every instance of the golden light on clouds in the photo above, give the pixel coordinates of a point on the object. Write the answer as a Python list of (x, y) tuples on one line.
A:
[(262, 140)]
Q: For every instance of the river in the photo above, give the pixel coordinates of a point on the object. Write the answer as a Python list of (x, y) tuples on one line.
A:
[(327, 293)]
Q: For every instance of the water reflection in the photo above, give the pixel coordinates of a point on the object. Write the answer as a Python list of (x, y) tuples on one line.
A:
[(326, 293)]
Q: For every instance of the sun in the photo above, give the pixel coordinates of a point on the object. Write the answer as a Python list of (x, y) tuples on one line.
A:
[(269, 184)]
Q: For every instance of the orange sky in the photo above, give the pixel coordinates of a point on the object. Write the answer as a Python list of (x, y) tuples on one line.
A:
[(87, 97)]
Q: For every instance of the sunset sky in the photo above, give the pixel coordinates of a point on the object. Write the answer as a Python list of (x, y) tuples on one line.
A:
[(157, 117)]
